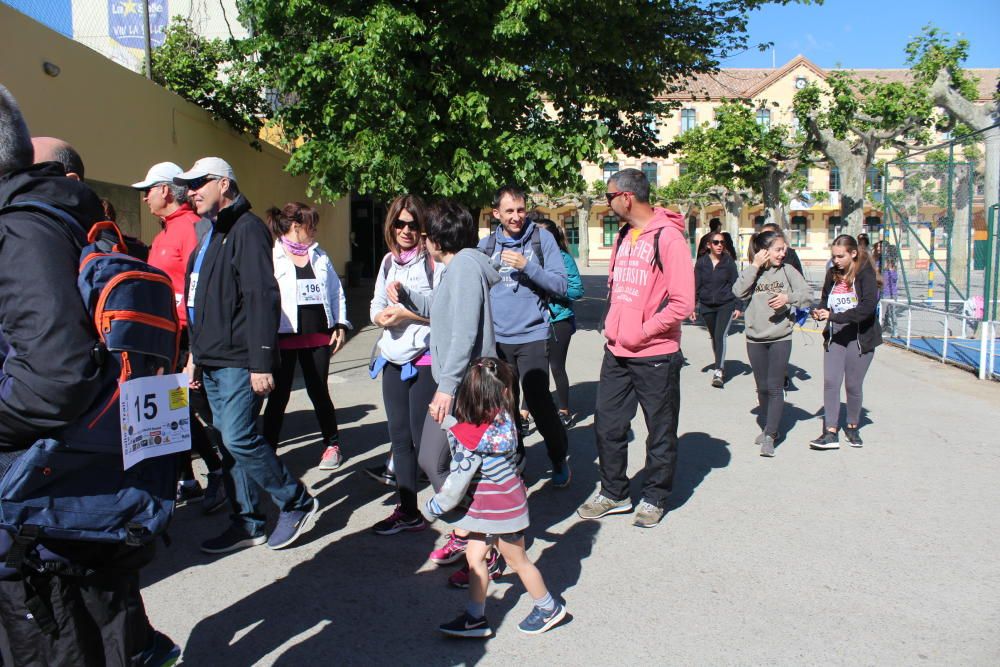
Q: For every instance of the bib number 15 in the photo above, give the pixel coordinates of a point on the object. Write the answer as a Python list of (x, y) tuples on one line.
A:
[(145, 407)]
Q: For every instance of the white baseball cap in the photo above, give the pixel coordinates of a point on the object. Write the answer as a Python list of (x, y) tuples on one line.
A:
[(206, 166), (162, 172)]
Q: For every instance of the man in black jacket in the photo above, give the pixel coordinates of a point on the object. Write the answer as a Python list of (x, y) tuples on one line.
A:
[(48, 379), (233, 314)]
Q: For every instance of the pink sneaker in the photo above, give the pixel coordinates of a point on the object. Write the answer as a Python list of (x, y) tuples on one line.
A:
[(452, 550), (494, 562), (332, 458)]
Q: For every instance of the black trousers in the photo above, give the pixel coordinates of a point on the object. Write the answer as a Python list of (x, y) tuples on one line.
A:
[(717, 321), (562, 332), (204, 437), (315, 363), (531, 365), (770, 363), (406, 404), (626, 383), (101, 618)]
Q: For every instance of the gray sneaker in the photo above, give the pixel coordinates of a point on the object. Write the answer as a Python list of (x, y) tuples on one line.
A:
[(767, 446), (291, 525), (601, 506), (647, 515)]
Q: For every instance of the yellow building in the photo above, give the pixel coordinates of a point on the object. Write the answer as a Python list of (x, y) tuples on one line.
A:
[(812, 225), (122, 123)]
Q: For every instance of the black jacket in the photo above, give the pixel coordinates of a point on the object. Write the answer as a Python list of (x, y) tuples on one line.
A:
[(237, 306), (792, 259), (714, 284), (49, 377), (861, 320)]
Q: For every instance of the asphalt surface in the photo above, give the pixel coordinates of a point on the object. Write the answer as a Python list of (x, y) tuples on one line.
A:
[(885, 555)]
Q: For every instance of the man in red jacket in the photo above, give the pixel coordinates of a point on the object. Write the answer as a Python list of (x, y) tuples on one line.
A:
[(650, 293), (170, 252)]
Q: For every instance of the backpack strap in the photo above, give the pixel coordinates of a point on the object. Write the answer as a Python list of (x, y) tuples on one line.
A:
[(429, 269), (536, 245), (386, 263), (491, 245)]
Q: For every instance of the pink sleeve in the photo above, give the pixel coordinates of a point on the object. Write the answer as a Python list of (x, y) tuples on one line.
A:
[(678, 276)]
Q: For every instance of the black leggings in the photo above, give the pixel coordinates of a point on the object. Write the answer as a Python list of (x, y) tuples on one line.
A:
[(769, 362), (531, 366), (315, 362), (717, 321), (406, 404), (562, 331)]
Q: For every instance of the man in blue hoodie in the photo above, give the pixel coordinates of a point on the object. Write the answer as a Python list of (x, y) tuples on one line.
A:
[(531, 269)]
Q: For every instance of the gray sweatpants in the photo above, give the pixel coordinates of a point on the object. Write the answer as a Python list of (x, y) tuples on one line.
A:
[(769, 362), (844, 364)]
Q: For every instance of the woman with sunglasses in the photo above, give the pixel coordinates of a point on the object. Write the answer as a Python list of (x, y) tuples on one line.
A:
[(715, 273), (313, 323), (402, 355)]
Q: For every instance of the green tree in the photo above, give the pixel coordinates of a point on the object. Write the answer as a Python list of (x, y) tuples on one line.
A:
[(218, 75), (936, 62), (457, 97), (740, 155), (851, 118)]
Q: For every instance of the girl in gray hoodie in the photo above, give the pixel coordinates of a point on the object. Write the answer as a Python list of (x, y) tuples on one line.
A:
[(773, 292)]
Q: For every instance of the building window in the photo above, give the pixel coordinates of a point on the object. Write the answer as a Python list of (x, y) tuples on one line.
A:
[(571, 229), (834, 227), (764, 118), (798, 231), (610, 169), (687, 119), (875, 183), (649, 171), (611, 226), (834, 180), (804, 177), (873, 227)]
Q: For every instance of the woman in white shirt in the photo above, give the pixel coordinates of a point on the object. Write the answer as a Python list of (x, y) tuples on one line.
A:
[(402, 355), (313, 323)]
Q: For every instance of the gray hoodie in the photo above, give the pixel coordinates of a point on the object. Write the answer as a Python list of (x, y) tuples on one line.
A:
[(460, 315), (756, 287)]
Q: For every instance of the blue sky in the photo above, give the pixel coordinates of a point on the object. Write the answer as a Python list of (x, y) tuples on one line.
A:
[(868, 33)]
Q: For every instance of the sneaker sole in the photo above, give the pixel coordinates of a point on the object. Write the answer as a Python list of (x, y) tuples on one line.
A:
[(329, 466), (395, 530), (303, 528), (619, 509), (549, 624), (380, 479), (242, 544), (823, 448), (449, 560), (857, 446), (646, 524), (478, 633), (767, 455)]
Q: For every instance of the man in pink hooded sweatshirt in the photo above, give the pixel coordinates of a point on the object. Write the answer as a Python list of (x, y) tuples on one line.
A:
[(651, 292)]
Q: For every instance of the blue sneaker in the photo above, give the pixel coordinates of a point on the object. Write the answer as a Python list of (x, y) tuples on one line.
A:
[(539, 621), (162, 652), (561, 475), (233, 538), (291, 525)]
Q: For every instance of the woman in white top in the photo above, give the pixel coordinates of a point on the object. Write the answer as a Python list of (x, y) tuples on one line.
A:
[(402, 354), (313, 323)]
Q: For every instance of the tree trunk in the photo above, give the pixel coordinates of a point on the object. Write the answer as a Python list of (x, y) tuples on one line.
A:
[(852, 194), (958, 235), (583, 225), (775, 208), (733, 203)]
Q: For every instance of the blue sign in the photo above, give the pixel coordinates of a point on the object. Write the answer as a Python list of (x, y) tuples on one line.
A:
[(56, 14), (127, 26)]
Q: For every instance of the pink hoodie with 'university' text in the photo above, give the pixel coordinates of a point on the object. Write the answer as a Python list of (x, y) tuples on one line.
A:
[(647, 305)]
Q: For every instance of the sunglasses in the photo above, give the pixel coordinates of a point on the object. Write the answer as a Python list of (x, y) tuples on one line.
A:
[(611, 195), (716, 242), (200, 182), (400, 224)]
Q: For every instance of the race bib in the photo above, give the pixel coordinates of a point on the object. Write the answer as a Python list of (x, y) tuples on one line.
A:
[(192, 287), (842, 301), (310, 292), (155, 417)]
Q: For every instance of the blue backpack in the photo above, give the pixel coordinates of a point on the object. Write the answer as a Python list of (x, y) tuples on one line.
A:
[(72, 485)]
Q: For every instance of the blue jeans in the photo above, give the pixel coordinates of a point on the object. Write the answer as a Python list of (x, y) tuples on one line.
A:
[(246, 456)]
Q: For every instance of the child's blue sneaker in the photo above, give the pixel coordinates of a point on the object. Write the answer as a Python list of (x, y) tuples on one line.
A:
[(562, 475), (539, 621)]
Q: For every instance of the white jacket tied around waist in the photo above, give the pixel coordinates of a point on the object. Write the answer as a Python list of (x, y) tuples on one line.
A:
[(401, 343), (334, 302)]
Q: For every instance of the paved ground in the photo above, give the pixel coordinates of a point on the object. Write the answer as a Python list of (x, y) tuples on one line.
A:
[(885, 555)]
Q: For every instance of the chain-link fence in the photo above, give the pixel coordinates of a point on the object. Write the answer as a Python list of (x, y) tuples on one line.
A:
[(117, 28), (938, 255)]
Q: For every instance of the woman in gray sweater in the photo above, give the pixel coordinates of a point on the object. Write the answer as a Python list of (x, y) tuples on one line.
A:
[(772, 293)]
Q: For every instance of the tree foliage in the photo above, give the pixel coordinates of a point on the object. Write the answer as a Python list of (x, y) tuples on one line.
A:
[(455, 97), (218, 75)]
